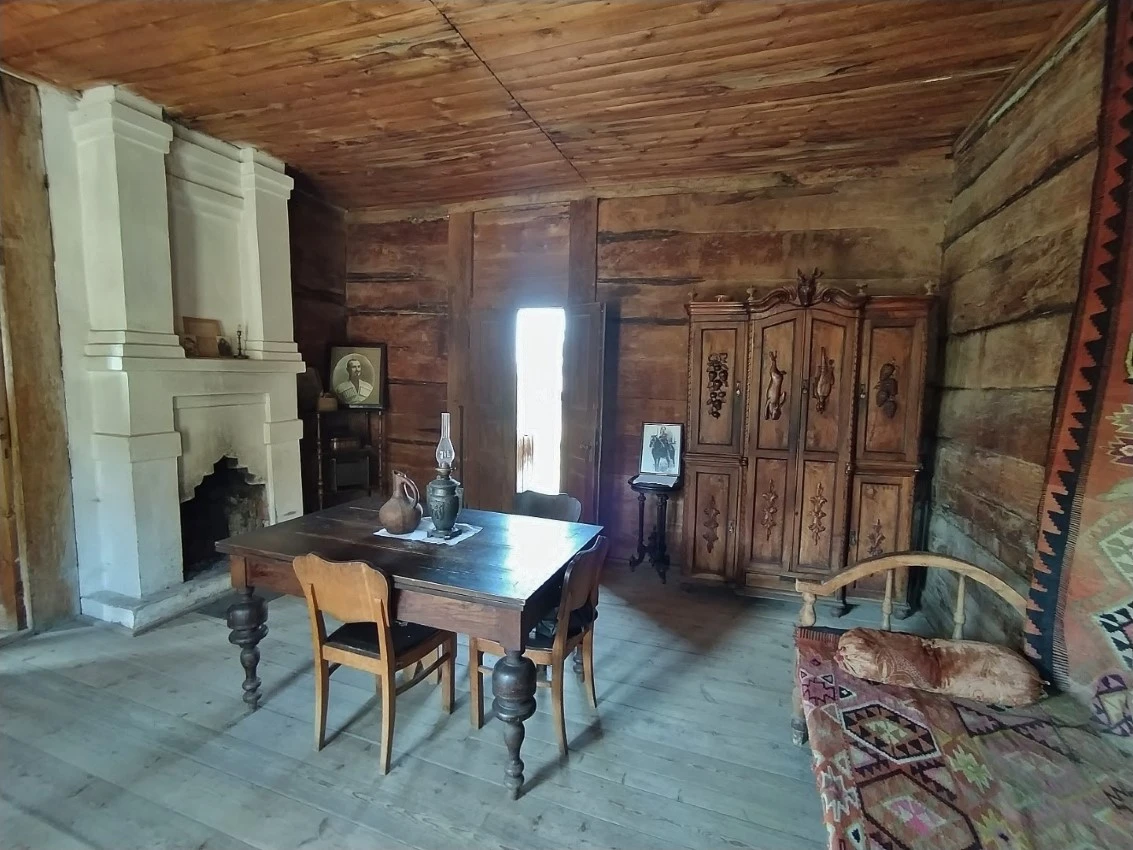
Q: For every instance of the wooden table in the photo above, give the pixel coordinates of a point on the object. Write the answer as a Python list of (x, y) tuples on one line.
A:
[(495, 585)]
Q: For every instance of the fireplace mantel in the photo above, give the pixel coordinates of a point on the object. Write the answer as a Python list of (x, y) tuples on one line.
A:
[(152, 222)]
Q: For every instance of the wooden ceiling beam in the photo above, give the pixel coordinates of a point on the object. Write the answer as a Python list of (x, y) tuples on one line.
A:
[(929, 167), (449, 98)]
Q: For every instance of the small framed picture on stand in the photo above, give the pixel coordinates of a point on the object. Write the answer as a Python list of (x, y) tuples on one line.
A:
[(660, 454)]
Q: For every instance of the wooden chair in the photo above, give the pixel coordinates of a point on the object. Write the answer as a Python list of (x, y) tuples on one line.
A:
[(574, 627), (359, 595), (562, 507)]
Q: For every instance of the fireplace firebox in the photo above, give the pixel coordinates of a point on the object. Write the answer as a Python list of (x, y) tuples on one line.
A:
[(226, 502)]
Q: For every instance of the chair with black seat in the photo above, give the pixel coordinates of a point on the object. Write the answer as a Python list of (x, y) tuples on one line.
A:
[(560, 506), (359, 595), (574, 627)]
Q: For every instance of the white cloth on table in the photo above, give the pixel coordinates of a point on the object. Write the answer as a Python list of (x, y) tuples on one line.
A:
[(421, 533)]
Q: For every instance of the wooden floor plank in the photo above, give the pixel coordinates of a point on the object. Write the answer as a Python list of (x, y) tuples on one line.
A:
[(689, 746), (32, 829), (60, 805)]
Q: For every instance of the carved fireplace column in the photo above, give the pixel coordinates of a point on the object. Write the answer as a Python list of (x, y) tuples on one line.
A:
[(266, 295), (120, 147), (266, 258), (120, 143)]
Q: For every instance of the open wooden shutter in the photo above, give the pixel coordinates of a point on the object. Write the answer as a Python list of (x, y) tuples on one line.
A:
[(583, 366), (489, 411)]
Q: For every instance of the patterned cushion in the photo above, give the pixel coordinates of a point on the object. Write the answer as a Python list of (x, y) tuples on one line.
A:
[(891, 658), (965, 669)]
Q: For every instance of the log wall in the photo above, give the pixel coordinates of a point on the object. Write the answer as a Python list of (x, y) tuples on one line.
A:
[(318, 293), (318, 276), (653, 254), (397, 292), (521, 257), (37, 423), (1013, 246)]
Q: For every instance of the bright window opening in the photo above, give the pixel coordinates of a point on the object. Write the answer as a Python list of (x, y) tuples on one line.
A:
[(539, 402)]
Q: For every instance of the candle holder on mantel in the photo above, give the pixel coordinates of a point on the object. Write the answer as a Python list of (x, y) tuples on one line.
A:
[(444, 493)]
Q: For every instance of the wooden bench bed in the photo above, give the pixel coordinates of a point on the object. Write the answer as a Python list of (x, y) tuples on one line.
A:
[(903, 768)]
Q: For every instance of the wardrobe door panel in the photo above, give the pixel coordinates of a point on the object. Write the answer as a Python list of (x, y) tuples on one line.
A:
[(892, 388), (881, 524), (775, 381), (772, 415), (711, 504), (718, 352), (818, 510), (769, 515), (825, 451), (830, 369)]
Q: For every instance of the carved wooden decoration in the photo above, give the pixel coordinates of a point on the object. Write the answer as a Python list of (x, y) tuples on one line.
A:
[(823, 381), (875, 539), (717, 383), (711, 523), (817, 514), (776, 395), (806, 293), (769, 502), (821, 465), (807, 285), (886, 389)]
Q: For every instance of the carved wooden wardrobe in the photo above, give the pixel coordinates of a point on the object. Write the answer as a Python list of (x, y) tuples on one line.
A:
[(805, 446)]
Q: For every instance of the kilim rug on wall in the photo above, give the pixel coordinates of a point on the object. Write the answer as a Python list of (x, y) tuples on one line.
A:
[(1080, 623)]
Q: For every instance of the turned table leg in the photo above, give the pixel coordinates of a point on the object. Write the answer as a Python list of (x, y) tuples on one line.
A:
[(513, 685), (248, 621), (641, 548), (661, 555)]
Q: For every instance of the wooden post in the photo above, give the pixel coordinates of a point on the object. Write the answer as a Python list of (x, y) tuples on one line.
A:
[(459, 300), (807, 618), (582, 283), (887, 602), (958, 611)]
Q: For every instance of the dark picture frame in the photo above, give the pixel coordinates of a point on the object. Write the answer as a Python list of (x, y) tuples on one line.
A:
[(350, 388)]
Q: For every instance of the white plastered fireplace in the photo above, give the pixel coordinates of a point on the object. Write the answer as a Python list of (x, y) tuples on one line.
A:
[(152, 222)]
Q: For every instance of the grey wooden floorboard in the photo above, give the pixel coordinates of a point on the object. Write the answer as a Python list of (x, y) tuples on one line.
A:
[(689, 746)]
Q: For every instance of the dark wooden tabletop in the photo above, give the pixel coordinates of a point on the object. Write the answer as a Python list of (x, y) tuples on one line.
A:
[(506, 563)]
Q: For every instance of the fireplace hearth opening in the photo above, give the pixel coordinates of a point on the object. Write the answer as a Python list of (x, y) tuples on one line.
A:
[(226, 502)]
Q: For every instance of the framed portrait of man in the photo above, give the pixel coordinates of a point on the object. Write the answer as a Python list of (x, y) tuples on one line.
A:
[(357, 375)]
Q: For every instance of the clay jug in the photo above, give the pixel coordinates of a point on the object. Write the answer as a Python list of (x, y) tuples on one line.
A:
[(402, 513)]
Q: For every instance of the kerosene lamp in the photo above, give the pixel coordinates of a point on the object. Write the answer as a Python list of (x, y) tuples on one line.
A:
[(444, 493)]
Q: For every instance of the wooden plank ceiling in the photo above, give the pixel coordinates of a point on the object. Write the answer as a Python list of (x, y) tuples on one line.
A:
[(391, 103)]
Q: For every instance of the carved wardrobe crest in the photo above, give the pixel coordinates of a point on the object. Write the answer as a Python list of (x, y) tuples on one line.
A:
[(804, 447)]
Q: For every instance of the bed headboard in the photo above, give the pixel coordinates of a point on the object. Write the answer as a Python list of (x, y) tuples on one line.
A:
[(811, 590)]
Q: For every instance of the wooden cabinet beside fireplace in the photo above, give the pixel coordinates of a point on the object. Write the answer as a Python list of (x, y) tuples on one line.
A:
[(805, 443)]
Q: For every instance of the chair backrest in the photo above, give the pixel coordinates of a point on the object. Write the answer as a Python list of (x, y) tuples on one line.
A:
[(562, 507), (580, 584), (351, 591)]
